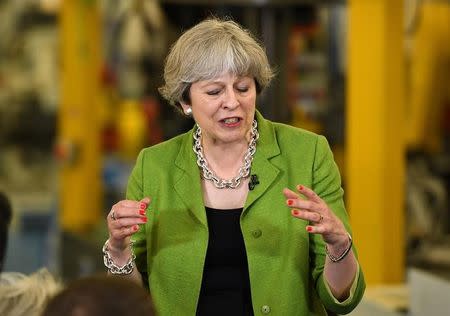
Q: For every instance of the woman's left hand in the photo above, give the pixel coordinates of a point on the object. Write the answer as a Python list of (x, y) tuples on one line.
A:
[(321, 219)]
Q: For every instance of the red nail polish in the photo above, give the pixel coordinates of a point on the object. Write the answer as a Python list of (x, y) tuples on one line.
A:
[(309, 228), (135, 227), (290, 202), (295, 212), (144, 219), (142, 212), (143, 205), (300, 187)]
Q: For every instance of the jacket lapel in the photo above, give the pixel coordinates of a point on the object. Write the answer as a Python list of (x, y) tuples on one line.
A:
[(266, 148), (187, 179)]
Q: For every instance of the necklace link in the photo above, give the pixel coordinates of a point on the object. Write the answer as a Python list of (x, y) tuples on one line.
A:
[(244, 170)]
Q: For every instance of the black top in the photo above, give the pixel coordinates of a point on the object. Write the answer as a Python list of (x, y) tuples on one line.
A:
[(225, 285)]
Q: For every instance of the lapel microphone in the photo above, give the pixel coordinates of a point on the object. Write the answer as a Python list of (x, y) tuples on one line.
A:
[(253, 182)]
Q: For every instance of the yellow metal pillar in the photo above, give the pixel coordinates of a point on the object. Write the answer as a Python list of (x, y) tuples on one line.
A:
[(79, 126), (375, 140), (430, 77)]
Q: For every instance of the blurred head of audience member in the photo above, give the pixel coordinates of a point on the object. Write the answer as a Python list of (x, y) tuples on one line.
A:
[(5, 219), (101, 295), (26, 295)]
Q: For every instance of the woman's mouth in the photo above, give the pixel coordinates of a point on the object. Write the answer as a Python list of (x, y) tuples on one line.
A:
[(231, 121)]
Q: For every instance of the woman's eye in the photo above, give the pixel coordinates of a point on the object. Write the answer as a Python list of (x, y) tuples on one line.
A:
[(242, 89), (213, 92)]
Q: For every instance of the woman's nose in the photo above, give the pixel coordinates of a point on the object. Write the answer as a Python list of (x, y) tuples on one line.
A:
[(230, 99)]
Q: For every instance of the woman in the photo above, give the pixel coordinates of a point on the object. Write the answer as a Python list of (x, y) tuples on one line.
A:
[(239, 216)]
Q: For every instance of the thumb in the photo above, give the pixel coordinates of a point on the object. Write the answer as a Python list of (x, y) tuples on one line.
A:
[(145, 200)]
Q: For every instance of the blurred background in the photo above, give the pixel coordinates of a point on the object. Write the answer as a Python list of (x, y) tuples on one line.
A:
[(78, 100)]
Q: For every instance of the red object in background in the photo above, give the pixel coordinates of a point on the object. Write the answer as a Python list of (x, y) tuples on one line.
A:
[(110, 138), (108, 76), (152, 109), (66, 152)]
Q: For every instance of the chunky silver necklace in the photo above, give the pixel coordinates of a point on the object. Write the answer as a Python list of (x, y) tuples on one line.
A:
[(244, 170)]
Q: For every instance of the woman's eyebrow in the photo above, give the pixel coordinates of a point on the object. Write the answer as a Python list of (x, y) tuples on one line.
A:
[(209, 83), (218, 81)]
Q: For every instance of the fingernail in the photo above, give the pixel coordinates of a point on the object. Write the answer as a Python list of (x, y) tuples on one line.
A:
[(143, 205), (135, 227), (295, 212), (144, 219), (290, 202), (142, 212), (300, 187), (309, 228)]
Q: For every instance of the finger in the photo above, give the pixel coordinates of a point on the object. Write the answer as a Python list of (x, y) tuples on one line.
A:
[(128, 208), (306, 215), (316, 229), (289, 194), (146, 200), (124, 232), (128, 221), (143, 205), (128, 203), (122, 212), (291, 197), (111, 216), (308, 193), (131, 204), (304, 205)]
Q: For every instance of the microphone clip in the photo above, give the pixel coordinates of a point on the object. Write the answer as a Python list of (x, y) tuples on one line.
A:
[(253, 182)]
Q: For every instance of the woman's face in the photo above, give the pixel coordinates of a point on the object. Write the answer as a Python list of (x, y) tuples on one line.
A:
[(224, 108)]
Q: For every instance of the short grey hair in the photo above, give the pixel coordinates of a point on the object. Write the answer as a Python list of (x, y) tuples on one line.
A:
[(208, 50)]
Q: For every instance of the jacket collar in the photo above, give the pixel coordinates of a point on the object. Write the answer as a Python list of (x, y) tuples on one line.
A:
[(266, 148), (189, 188)]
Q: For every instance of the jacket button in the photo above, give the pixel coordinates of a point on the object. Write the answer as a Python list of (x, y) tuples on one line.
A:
[(265, 309), (257, 233)]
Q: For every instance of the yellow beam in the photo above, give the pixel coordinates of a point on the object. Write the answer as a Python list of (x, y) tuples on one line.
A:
[(375, 140), (80, 189), (430, 76)]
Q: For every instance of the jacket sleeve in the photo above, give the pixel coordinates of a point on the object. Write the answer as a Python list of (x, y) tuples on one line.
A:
[(139, 240), (327, 184)]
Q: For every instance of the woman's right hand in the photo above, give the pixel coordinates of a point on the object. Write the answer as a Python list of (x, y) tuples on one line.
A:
[(124, 220)]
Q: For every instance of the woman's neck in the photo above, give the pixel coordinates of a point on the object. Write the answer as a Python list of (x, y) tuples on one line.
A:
[(225, 159)]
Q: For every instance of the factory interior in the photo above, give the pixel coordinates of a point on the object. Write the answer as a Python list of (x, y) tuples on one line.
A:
[(79, 99)]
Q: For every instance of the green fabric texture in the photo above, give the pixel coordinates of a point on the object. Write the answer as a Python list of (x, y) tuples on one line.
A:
[(285, 262)]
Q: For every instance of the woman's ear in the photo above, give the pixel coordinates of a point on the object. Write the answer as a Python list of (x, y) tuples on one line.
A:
[(187, 109)]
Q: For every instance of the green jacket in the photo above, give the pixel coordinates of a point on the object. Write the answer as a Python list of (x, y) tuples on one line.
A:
[(285, 262)]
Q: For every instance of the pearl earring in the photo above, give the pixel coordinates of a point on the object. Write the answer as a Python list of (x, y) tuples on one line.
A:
[(188, 111)]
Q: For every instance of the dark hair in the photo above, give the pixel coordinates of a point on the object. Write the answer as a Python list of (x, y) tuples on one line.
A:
[(5, 219), (101, 295)]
